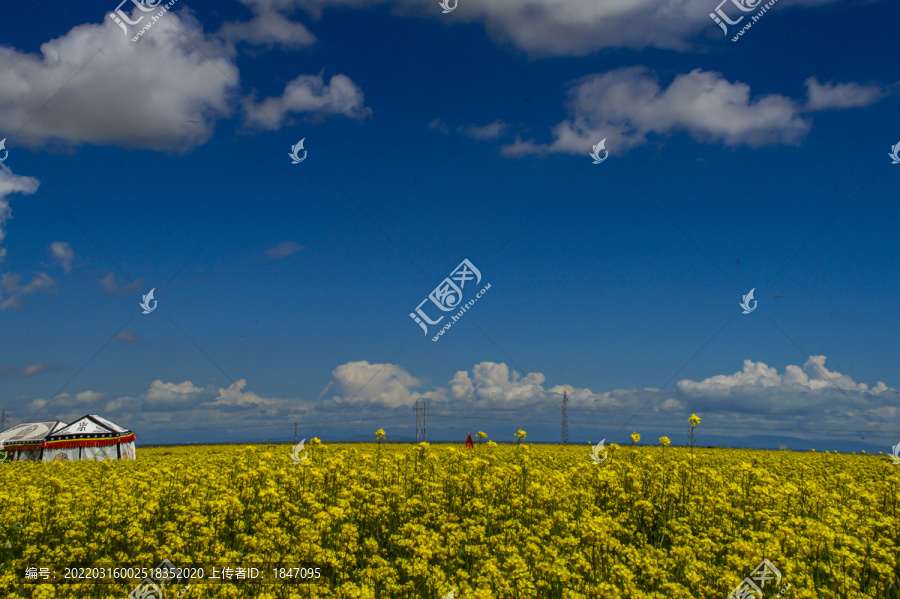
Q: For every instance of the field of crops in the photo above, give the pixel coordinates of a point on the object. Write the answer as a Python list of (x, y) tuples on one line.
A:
[(394, 520)]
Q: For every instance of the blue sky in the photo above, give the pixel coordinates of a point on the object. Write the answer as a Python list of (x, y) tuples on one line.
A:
[(285, 290)]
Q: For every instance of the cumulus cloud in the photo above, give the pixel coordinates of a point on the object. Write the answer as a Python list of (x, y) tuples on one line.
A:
[(12, 294), (234, 396), (10, 184), (109, 285), (174, 396), (138, 95), (29, 370), (81, 401), (387, 385), (841, 95), (557, 27), (759, 388), (269, 28), (756, 399), (486, 132), (628, 104), (63, 254), (494, 385), (308, 94), (283, 249)]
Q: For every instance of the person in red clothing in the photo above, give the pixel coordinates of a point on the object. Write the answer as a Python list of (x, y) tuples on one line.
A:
[(469, 442)]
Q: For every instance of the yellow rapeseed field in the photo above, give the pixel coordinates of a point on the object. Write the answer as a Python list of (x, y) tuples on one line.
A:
[(518, 521)]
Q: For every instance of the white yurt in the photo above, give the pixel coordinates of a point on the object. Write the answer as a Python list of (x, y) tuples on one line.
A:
[(89, 438), (26, 441)]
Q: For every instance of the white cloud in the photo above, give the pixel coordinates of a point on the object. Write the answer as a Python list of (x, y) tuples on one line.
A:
[(138, 95), (626, 105), (29, 370), (269, 28), (9, 184), (12, 294), (750, 401), (79, 401), (812, 390), (557, 27), (493, 385), (174, 396), (283, 249), (757, 396), (486, 132), (841, 95), (387, 385), (757, 377), (309, 94), (63, 254), (234, 396)]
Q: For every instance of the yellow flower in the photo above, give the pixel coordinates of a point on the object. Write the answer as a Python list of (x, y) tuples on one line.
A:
[(379, 434), (635, 437), (665, 441), (520, 434), (694, 420)]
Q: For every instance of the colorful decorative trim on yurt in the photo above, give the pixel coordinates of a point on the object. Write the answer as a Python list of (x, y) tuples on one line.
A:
[(88, 441), (89, 431)]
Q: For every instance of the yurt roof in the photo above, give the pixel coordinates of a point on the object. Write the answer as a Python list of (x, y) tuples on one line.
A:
[(89, 430), (30, 433)]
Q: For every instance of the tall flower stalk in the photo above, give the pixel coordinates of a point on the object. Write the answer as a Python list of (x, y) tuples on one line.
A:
[(379, 436), (694, 420)]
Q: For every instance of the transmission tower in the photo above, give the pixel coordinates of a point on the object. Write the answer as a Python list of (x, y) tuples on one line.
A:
[(418, 421), (565, 419)]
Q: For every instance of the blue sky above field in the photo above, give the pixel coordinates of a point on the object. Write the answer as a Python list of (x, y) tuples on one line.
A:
[(285, 290)]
